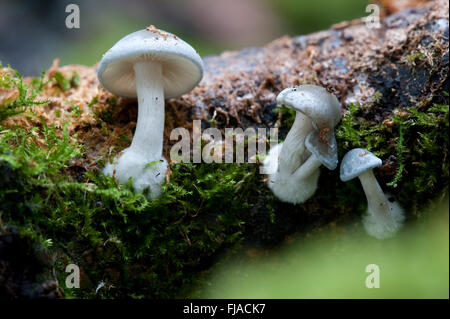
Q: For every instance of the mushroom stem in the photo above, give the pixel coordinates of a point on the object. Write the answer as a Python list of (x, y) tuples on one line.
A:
[(311, 165), (292, 153), (148, 137), (377, 203)]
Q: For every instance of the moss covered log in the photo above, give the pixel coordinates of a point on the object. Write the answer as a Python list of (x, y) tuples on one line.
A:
[(57, 132)]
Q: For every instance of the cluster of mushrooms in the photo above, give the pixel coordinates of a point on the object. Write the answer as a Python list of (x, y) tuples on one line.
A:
[(311, 143), (153, 65)]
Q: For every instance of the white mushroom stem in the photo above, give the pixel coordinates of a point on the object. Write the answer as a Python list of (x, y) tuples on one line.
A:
[(292, 153), (311, 165), (149, 133), (377, 202)]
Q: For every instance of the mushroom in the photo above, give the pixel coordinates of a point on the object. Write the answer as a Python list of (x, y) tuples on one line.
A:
[(151, 65), (309, 144), (383, 217)]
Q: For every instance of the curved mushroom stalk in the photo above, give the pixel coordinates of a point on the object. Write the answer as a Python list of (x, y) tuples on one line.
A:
[(294, 164), (383, 218), (294, 151), (294, 187), (308, 168)]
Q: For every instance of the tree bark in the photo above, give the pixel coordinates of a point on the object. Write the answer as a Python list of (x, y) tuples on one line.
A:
[(404, 63), (351, 60)]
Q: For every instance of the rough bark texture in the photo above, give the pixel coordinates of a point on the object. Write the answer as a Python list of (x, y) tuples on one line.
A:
[(350, 60), (374, 67), (402, 64), (377, 68), (239, 88)]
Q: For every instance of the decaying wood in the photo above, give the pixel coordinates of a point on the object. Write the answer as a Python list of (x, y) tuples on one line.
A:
[(354, 62), (239, 89)]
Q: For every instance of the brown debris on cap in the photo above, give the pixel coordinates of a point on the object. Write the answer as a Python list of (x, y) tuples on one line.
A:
[(363, 154), (155, 30)]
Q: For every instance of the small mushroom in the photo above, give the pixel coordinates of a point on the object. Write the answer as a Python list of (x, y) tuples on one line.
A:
[(151, 65), (383, 217), (309, 144)]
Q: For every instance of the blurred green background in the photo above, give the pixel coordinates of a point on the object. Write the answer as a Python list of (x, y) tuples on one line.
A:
[(413, 264), (33, 33)]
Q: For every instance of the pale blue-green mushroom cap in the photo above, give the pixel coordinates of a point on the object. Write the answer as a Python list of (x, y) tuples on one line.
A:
[(182, 66), (356, 162)]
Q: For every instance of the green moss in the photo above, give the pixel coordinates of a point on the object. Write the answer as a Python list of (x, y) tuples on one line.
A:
[(377, 97), (65, 83), (400, 149), (418, 140), (356, 132), (27, 94), (137, 247), (155, 247), (414, 58), (164, 247), (423, 151), (426, 135), (288, 115)]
